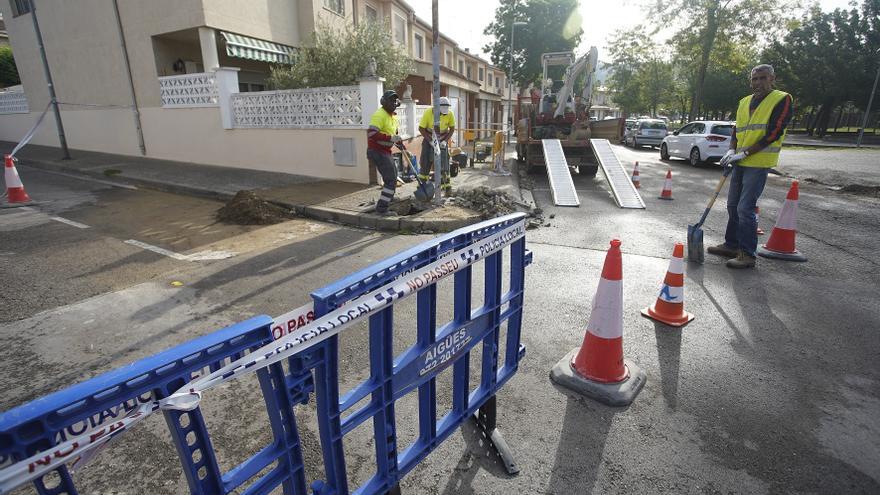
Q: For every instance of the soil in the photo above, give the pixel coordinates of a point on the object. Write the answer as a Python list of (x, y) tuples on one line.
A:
[(246, 208)]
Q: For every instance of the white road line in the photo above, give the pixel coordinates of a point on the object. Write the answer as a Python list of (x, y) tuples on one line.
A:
[(200, 256), (70, 222), (157, 250)]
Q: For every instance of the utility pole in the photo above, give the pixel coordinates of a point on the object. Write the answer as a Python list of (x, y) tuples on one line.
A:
[(870, 102), (510, 121), (435, 56), (53, 98)]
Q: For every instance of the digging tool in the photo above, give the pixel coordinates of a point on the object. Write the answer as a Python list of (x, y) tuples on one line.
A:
[(695, 232), (425, 191)]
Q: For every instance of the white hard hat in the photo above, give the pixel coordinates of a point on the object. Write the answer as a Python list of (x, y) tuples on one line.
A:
[(444, 101)]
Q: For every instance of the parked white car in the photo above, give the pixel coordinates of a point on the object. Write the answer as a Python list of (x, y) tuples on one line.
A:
[(646, 132), (698, 142)]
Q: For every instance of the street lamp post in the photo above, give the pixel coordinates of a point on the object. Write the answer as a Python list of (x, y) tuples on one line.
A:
[(510, 79), (868, 110)]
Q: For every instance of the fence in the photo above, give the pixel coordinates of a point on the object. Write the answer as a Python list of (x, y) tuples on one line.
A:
[(314, 108), (189, 90), (288, 380), (13, 102)]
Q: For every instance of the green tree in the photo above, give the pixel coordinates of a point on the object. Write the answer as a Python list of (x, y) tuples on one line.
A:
[(628, 51), (828, 59), (338, 57), (8, 70), (704, 22), (551, 26)]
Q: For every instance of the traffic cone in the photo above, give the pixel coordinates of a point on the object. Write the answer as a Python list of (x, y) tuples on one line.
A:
[(14, 188), (598, 370), (758, 228), (780, 245), (667, 186), (669, 308), (635, 177)]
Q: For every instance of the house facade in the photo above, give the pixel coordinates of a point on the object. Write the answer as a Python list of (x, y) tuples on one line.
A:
[(185, 80)]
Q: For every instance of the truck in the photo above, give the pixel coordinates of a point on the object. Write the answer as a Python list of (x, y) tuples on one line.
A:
[(553, 112)]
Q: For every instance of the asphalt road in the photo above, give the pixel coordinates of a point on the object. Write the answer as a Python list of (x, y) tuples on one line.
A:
[(772, 389)]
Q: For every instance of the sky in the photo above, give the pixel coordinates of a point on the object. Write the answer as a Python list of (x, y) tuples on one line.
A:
[(465, 20)]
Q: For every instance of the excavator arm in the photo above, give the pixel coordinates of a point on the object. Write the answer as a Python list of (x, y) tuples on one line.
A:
[(586, 63)]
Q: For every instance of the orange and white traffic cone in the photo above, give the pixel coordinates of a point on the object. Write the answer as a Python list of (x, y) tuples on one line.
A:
[(781, 244), (667, 186), (598, 370), (758, 228), (635, 178), (15, 192), (669, 308)]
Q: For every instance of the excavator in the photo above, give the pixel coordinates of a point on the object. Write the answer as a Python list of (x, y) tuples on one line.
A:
[(553, 112)]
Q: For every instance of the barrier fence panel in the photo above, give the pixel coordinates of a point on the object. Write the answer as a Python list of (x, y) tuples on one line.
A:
[(100, 405)]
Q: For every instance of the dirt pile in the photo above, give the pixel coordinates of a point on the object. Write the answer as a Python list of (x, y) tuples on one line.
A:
[(246, 208), (487, 202)]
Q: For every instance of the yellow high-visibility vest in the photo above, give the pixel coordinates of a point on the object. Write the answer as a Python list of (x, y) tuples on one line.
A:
[(751, 128)]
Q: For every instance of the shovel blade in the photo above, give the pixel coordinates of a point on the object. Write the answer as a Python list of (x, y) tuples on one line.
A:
[(695, 244)]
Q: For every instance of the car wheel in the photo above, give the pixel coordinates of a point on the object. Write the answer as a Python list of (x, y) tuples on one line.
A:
[(635, 143), (664, 153), (695, 157)]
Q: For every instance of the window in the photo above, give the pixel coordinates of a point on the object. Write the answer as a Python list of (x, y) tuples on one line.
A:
[(688, 129), (20, 7), (399, 29), (448, 58), (419, 47), (461, 67), (480, 73), (470, 72), (699, 128), (723, 130), (490, 79), (497, 82), (244, 87), (335, 5), (371, 14)]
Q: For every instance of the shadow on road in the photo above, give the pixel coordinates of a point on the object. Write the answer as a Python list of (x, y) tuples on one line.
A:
[(581, 445), (669, 357)]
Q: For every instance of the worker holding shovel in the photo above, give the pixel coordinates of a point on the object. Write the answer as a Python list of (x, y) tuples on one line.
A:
[(444, 132), (761, 120), (381, 136)]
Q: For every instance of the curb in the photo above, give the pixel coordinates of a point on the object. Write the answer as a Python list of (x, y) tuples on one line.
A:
[(322, 213)]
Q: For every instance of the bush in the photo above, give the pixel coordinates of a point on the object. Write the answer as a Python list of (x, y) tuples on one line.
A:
[(338, 58), (8, 70)]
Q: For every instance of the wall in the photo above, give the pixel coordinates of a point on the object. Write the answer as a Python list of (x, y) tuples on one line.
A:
[(195, 135), (273, 20)]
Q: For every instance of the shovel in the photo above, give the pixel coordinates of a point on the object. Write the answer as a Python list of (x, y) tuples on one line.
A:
[(425, 191), (695, 232)]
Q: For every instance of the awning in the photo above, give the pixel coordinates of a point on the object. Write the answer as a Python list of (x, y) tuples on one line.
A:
[(254, 49)]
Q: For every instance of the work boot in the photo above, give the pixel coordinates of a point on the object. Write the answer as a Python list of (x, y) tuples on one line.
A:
[(723, 250), (742, 260)]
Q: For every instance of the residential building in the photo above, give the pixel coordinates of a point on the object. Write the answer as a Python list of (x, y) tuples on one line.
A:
[(172, 78)]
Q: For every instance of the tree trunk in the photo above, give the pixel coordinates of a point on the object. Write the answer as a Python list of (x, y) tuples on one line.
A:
[(839, 118), (706, 47), (811, 122), (824, 117)]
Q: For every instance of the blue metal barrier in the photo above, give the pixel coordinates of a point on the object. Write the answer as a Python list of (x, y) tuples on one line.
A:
[(44, 423)]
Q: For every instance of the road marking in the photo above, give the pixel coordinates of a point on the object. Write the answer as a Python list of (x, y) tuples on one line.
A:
[(70, 222), (157, 250), (207, 255)]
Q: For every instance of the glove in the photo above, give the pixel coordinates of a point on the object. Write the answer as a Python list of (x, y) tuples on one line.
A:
[(725, 160), (396, 139)]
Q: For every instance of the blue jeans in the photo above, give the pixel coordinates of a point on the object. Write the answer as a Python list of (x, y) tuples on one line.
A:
[(746, 186)]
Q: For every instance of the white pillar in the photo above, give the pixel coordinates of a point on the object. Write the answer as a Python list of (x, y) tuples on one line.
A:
[(226, 79), (371, 92), (410, 126), (208, 40)]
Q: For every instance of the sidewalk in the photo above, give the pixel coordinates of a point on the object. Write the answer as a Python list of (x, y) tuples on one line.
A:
[(812, 141), (328, 200)]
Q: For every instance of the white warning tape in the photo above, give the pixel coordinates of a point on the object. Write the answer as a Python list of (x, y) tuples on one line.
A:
[(188, 397), (30, 134)]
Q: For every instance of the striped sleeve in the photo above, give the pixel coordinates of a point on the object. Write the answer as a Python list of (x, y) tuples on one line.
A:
[(779, 120)]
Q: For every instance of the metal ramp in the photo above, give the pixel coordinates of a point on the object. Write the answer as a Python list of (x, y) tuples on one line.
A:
[(561, 184), (625, 193)]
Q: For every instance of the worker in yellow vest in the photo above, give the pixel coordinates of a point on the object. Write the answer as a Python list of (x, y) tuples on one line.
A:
[(445, 131), (381, 136), (761, 120)]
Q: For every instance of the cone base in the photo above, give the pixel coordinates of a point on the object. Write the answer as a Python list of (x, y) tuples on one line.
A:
[(686, 318), (613, 394), (667, 198), (4, 205), (769, 253), (17, 195)]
